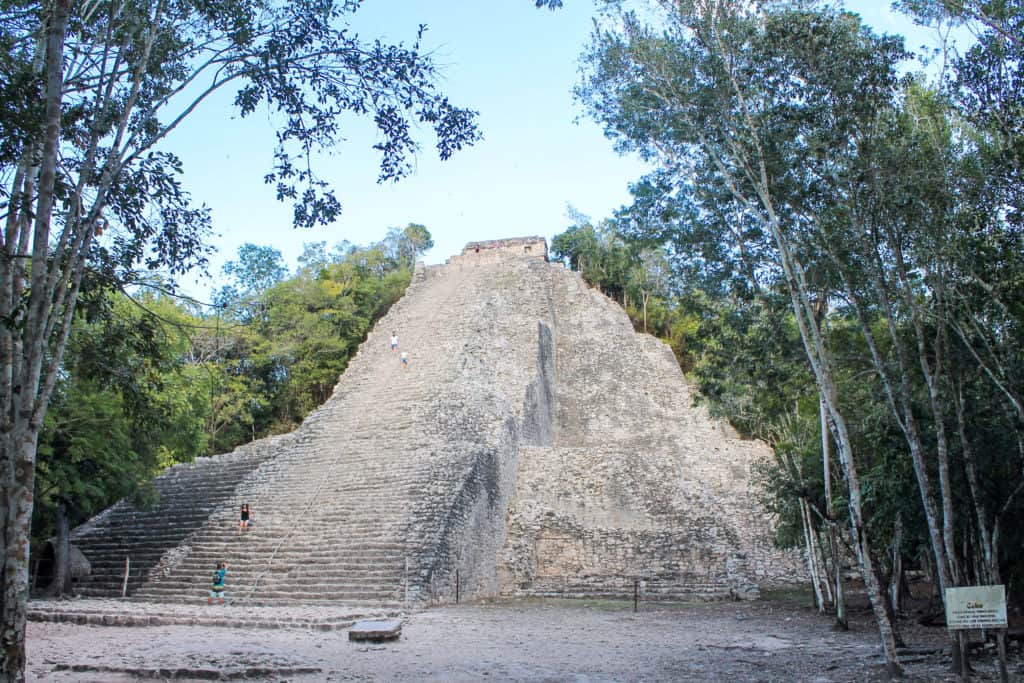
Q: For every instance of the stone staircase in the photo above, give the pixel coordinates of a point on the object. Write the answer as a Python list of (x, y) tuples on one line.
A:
[(535, 445), (368, 500), (188, 495)]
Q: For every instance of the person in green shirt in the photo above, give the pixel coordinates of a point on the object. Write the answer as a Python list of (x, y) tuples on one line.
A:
[(217, 589)]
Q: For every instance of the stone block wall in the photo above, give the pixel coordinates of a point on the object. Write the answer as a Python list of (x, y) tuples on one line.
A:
[(477, 254), (500, 398), (640, 484)]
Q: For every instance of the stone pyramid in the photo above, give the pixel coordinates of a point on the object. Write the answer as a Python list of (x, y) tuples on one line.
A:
[(534, 445)]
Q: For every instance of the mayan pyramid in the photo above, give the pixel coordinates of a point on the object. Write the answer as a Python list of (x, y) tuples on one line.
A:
[(535, 445)]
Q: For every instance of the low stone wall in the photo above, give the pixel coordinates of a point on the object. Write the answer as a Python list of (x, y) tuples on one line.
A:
[(478, 254)]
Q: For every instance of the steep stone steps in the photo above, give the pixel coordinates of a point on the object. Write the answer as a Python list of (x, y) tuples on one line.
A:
[(187, 494), (384, 447), (536, 444)]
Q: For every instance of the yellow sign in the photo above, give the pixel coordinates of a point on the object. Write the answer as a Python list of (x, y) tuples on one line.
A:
[(971, 607)]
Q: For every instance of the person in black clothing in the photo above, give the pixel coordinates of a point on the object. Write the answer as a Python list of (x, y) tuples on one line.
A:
[(243, 518)]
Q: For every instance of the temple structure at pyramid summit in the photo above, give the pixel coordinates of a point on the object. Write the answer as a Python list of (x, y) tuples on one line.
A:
[(534, 445)]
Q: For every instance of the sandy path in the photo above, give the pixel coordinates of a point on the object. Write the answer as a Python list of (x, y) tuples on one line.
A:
[(510, 641)]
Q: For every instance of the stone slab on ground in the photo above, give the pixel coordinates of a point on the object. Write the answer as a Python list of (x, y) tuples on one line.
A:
[(376, 631)]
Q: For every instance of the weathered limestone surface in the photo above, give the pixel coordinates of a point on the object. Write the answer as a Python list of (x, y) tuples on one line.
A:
[(535, 445), (639, 483)]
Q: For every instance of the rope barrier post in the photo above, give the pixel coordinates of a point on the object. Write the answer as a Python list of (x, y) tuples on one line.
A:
[(636, 593), (965, 667), (127, 568), (456, 586)]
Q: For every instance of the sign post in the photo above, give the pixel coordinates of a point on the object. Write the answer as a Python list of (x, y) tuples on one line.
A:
[(977, 607)]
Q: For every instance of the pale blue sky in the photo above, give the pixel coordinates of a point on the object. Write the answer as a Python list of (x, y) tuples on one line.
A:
[(514, 64)]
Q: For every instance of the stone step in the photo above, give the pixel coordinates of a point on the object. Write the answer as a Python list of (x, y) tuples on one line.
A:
[(305, 595), (214, 553), (193, 612), (272, 583), (249, 573), (201, 575)]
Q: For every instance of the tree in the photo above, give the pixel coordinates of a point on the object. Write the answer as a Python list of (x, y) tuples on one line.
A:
[(599, 253), (792, 160), (254, 273), (649, 277), (90, 195), (260, 365), (981, 311), (121, 411), (405, 245), (742, 106)]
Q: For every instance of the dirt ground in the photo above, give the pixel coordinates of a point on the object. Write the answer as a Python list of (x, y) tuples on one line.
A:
[(542, 641)]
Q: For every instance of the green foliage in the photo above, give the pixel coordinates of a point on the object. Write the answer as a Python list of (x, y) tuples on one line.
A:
[(623, 270), (256, 271), (799, 180), (276, 351), (147, 382), (123, 409)]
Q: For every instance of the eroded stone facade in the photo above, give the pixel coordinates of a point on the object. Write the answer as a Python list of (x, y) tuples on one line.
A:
[(535, 445), (639, 483)]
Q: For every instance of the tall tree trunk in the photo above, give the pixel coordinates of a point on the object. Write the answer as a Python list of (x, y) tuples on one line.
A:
[(989, 559), (754, 167), (842, 622), (61, 584), (17, 526), (812, 555), (24, 414), (896, 578), (645, 296), (931, 363), (821, 364), (890, 610), (826, 579)]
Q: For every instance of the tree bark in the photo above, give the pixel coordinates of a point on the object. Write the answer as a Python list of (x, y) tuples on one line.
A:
[(812, 556), (17, 526), (989, 559), (896, 578), (24, 414), (842, 623), (821, 364), (61, 583)]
